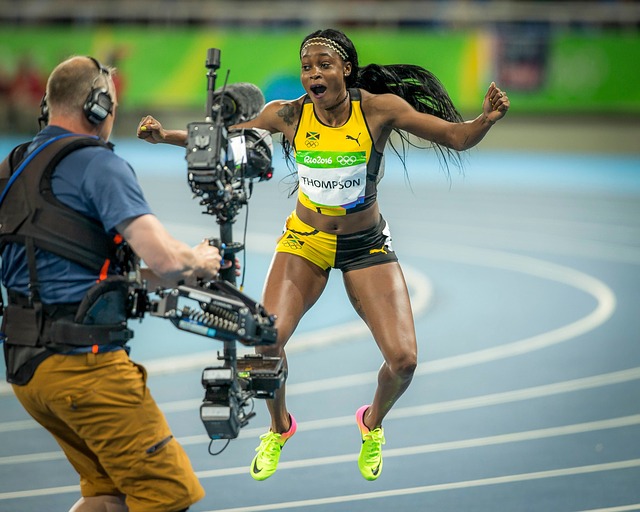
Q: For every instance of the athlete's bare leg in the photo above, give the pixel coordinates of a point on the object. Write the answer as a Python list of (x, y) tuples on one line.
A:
[(293, 285), (380, 296)]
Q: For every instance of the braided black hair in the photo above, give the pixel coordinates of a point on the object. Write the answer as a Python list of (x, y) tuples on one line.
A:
[(422, 90)]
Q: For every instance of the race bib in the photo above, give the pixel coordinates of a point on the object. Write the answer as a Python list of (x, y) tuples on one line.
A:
[(333, 178)]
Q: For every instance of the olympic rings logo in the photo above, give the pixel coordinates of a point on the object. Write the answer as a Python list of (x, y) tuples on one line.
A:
[(291, 244), (311, 143), (346, 160)]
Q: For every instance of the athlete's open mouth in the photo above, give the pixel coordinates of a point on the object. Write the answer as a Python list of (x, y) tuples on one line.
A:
[(318, 89)]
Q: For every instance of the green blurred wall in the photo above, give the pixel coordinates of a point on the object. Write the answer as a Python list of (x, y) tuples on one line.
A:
[(564, 72)]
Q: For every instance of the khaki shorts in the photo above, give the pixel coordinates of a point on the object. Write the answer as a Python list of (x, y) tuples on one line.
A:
[(100, 411), (344, 252)]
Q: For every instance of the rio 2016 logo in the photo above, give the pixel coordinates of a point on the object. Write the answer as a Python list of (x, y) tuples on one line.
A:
[(308, 159)]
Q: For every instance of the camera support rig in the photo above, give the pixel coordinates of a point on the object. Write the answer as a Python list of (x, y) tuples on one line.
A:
[(222, 165)]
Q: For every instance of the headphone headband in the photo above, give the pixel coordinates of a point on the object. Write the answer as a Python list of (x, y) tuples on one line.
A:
[(100, 67)]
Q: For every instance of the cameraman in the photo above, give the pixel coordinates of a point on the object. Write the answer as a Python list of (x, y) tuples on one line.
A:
[(72, 371)]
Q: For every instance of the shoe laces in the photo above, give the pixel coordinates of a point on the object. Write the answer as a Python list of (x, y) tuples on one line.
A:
[(373, 441), (270, 446)]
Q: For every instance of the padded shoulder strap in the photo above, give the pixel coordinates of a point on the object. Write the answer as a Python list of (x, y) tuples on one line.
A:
[(9, 164), (28, 208)]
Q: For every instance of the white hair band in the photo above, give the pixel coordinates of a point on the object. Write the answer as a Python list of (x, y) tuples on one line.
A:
[(323, 41)]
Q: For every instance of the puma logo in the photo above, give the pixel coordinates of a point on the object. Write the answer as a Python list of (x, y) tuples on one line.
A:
[(382, 250), (349, 137)]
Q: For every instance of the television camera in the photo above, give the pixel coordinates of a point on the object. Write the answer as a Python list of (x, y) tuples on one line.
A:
[(223, 159), (223, 163)]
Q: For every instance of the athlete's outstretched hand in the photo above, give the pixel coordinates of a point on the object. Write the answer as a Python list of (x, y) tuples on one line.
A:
[(150, 129), (496, 103)]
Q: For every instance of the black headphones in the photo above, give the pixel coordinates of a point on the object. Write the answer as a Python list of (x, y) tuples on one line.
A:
[(99, 103), (43, 120), (97, 106)]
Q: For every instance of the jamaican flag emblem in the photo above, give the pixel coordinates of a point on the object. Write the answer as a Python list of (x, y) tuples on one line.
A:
[(312, 139)]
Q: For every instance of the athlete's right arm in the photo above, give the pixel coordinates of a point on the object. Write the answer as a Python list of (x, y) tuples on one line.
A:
[(151, 130), (170, 260), (277, 116)]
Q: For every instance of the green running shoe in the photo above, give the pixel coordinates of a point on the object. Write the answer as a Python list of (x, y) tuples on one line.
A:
[(265, 462), (370, 459)]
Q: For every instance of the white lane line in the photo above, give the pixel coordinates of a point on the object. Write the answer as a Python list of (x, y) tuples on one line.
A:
[(623, 508), (544, 433), (12, 426), (465, 484), (32, 457), (397, 413), (46, 491)]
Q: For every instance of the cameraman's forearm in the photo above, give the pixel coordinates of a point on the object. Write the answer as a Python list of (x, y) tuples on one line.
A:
[(175, 137), (169, 264), (174, 262), (154, 281), (169, 260)]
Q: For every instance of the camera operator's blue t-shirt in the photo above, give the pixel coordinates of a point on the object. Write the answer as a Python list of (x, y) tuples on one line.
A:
[(95, 182)]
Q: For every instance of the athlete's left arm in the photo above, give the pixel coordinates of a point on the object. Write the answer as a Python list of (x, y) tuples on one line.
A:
[(395, 112)]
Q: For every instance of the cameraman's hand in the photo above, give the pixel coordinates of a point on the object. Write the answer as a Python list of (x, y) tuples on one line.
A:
[(226, 264), (207, 262)]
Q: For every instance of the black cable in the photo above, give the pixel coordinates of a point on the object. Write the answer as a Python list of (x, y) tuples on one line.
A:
[(244, 244), (221, 449)]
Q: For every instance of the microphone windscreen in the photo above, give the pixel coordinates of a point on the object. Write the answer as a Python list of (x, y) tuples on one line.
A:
[(240, 102)]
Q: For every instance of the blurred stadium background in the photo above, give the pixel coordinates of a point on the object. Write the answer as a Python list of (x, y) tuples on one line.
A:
[(570, 67)]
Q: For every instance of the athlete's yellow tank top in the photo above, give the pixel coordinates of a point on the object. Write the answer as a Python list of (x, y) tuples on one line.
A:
[(338, 168)]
